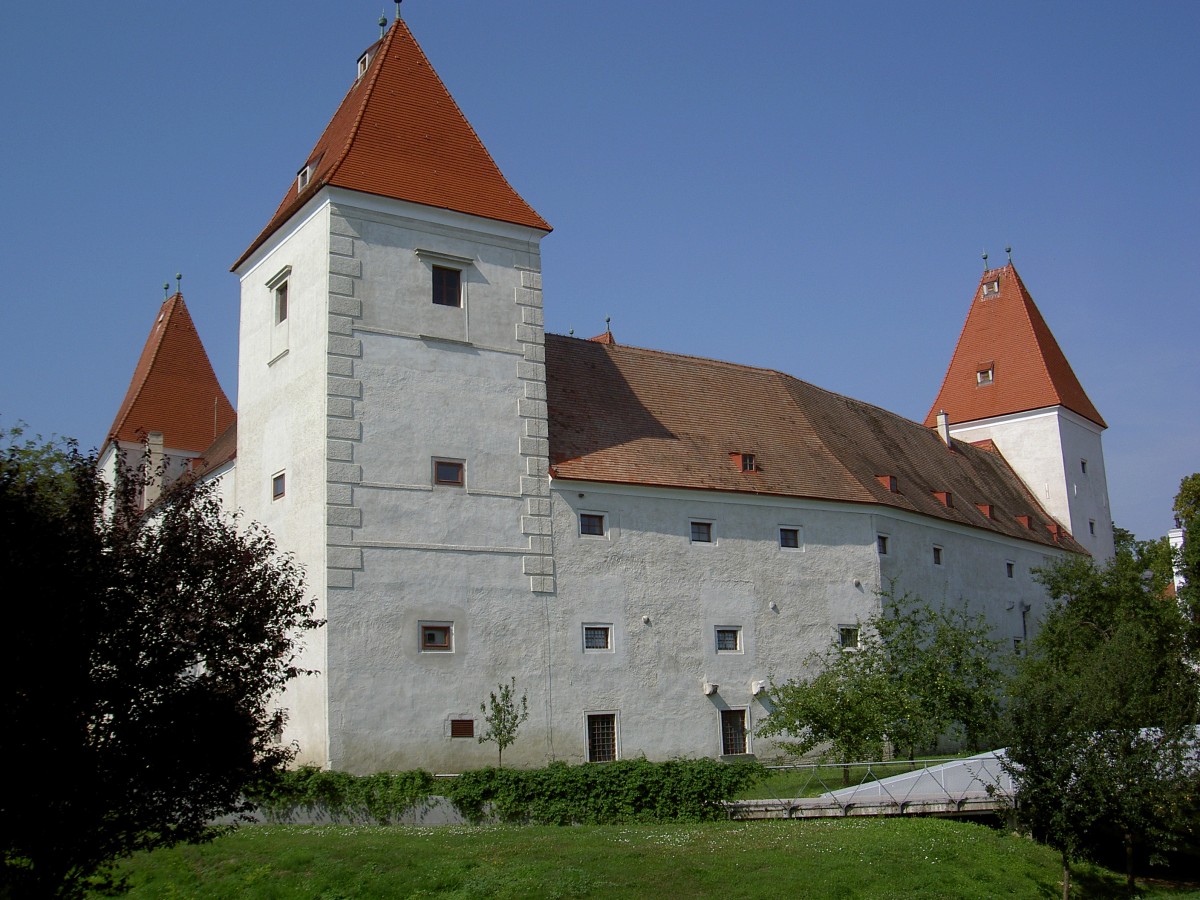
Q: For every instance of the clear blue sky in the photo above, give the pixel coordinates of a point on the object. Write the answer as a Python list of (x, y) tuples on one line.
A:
[(804, 186)]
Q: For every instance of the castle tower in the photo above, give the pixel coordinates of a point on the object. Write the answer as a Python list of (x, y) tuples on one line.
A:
[(1010, 383), (392, 426)]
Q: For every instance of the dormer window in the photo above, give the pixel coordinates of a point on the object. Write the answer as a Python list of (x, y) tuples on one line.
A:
[(748, 464), (889, 482), (991, 287), (985, 375), (303, 177), (945, 498), (363, 62)]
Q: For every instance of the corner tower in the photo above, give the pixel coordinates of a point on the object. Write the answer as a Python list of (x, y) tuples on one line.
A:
[(1010, 383), (392, 428)]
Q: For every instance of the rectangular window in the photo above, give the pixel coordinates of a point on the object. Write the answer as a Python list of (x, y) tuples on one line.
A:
[(597, 638), (985, 376), (991, 287), (937, 555), (437, 637), (1083, 466), (1010, 568), (1091, 526), (848, 637), (701, 532), (748, 462), (278, 485), (448, 471), (729, 639), (281, 302), (733, 732), (602, 737), (789, 538), (447, 286), (462, 728), (591, 524), (881, 544)]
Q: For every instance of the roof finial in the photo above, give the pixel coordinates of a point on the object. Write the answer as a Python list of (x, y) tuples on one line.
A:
[(398, 2), (1008, 250), (178, 283), (571, 333), (608, 324), (166, 290), (985, 260), (383, 22)]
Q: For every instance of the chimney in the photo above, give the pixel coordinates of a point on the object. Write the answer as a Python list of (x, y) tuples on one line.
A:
[(943, 427)]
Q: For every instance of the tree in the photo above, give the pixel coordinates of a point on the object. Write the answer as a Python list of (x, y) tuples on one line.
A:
[(503, 717), (145, 654), (1102, 713), (1187, 515), (918, 675)]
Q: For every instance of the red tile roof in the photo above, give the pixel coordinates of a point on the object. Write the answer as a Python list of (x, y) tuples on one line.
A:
[(1005, 332), (398, 133), (626, 415), (174, 389), (221, 451)]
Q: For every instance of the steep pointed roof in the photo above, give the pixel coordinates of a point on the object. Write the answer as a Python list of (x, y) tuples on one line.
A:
[(398, 133), (1006, 360), (174, 389)]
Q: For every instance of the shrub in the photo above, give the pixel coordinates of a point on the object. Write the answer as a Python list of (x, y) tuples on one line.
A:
[(355, 799)]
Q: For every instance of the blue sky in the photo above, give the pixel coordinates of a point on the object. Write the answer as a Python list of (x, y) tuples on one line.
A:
[(803, 186)]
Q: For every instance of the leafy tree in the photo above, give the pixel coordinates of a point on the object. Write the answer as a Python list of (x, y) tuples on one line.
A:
[(504, 716), (1187, 513), (919, 674), (1102, 713), (144, 656)]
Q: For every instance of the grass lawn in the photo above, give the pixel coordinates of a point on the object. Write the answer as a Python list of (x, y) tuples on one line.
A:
[(926, 858)]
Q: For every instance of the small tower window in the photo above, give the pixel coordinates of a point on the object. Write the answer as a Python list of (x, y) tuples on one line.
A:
[(985, 376), (278, 485), (363, 62), (1083, 466), (991, 287)]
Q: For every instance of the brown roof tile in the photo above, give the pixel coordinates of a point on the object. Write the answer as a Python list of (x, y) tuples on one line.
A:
[(1005, 332), (174, 389), (398, 133), (627, 415)]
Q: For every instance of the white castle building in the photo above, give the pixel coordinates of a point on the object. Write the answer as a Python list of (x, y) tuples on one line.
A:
[(642, 539)]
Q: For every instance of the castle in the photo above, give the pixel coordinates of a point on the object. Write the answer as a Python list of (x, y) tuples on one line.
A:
[(643, 540)]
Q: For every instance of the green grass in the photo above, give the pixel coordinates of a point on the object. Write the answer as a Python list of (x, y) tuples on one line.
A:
[(810, 781), (928, 858)]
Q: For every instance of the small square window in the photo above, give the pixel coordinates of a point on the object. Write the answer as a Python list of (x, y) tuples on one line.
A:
[(701, 532), (848, 637), (437, 637), (991, 287), (789, 538), (448, 471), (602, 737), (881, 544), (447, 286), (748, 464), (937, 555), (281, 302), (278, 485), (462, 728), (1010, 569), (591, 524), (597, 638), (729, 639), (985, 376)]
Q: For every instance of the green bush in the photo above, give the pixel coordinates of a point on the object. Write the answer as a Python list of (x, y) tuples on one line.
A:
[(354, 799), (602, 793)]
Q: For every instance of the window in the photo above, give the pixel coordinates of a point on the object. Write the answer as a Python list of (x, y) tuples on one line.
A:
[(985, 376), (597, 638), (733, 732), (1083, 466), (991, 287), (701, 532), (881, 544), (729, 639), (437, 637), (462, 728), (937, 555), (281, 302), (848, 637), (1091, 526), (601, 737), (448, 471), (278, 485), (748, 462), (1019, 646), (447, 286), (1010, 568), (303, 177), (591, 524), (789, 538), (363, 62)]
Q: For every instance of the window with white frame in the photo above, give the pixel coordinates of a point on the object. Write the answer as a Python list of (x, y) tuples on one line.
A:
[(848, 637), (591, 524), (729, 638), (601, 737), (791, 537), (597, 637), (278, 485), (734, 734), (436, 637), (701, 531)]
